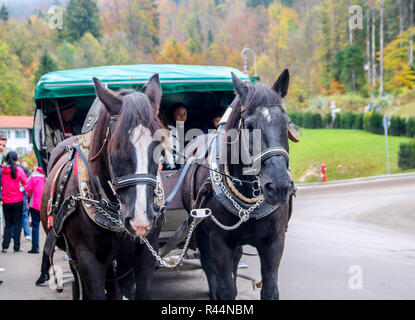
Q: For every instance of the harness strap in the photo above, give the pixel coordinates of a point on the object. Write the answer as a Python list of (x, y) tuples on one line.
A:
[(183, 174), (52, 207), (270, 152), (133, 179), (178, 184), (104, 201)]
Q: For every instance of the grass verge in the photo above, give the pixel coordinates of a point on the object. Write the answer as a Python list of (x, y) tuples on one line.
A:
[(347, 154)]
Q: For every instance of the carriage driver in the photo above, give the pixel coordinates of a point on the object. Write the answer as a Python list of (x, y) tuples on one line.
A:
[(72, 125), (68, 113)]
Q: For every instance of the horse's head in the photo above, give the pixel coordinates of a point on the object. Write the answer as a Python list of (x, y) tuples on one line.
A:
[(132, 120), (260, 107)]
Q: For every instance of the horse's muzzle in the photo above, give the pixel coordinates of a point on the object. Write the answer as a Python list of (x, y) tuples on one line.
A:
[(277, 193), (140, 226)]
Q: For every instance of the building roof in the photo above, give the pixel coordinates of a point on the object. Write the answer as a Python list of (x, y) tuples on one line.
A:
[(16, 122)]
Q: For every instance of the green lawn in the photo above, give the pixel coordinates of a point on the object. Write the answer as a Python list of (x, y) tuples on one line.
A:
[(346, 153)]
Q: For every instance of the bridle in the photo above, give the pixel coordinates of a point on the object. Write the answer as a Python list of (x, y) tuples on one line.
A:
[(130, 180), (262, 156)]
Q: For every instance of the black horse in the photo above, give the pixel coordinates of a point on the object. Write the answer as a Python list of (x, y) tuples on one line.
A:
[(122, 146), (269, 190)]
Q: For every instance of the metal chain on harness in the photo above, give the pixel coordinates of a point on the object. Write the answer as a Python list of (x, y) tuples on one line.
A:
[(181, 256), (244, 214), (144, 239)]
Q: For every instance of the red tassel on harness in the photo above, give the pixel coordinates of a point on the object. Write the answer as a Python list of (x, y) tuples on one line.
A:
[(50, 222)]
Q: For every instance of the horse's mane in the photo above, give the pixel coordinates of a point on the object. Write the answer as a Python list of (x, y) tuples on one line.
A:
[(256, 95), (135, 109)]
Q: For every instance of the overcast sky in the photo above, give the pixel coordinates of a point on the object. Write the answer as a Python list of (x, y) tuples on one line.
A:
[(24, 8)]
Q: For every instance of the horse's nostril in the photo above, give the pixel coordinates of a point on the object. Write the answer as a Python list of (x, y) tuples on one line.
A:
[(276, 191), (268, 188)]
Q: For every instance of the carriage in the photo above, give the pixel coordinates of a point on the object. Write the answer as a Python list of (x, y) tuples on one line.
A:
[(96, 150), (206, 91)]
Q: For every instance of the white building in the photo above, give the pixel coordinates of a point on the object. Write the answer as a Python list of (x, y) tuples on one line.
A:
[(18, 130)]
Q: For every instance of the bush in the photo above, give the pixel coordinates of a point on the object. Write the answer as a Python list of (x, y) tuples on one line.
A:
[(358, 122), (297, 118), (398, 126), (406, 155), (348, 101), (317, 121), (309, 120), (410, 127), (327, 120), (337, 121), (372, 122), (348, 119)]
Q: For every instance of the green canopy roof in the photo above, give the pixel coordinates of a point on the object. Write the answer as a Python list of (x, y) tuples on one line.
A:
[(174, 79)]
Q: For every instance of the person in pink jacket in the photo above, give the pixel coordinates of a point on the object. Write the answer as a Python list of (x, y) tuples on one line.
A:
[(34, 190), (13, 181)]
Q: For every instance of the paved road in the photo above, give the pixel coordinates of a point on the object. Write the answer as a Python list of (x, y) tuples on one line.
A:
[(345, 241)]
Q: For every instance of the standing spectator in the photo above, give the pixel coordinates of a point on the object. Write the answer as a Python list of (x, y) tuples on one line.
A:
[(12, 177), (25, 219), (3, 143), (34, 189)]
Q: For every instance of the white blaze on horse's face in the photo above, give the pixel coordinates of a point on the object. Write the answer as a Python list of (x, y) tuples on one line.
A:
[(141, 138), (266, 114)]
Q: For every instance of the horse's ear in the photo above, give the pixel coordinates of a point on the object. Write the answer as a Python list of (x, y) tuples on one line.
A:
[(281, 85), (109, 98), (293, 129), (240, 88), (291, 137), (153, 92)]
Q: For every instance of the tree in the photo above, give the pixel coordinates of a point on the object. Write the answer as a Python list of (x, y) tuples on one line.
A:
[(140, 20), (14, 93), (255, 3), (411, 17), (349, 67), (46, 64), (398, 74), (4, 13), (81, 16), (66, 56), (88, 52)]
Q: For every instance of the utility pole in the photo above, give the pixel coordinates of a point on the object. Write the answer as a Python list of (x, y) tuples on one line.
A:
[(381, 50), (373, 51), (411, 49), (368, 64)]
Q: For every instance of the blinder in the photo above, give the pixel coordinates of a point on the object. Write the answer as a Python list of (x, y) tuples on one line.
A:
[(134, 179)]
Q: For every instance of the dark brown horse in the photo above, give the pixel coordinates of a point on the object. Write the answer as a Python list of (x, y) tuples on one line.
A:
[(245, 208), (122, 147)]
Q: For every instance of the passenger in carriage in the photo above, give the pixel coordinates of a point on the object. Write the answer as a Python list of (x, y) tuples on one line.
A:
[(213, 123), (176, 121), (169, 160)]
